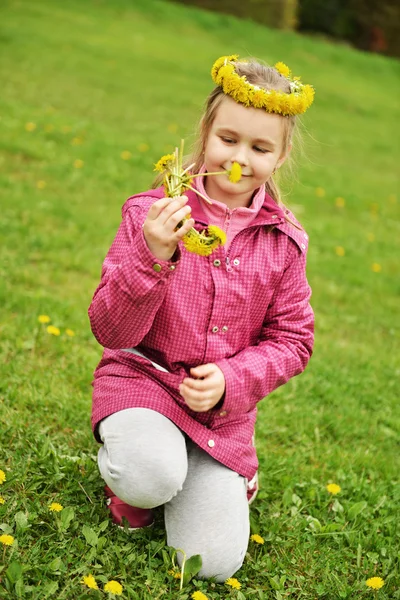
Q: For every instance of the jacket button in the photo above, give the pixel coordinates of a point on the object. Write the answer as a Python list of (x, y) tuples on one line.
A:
[(211, 443), (215, 329), (223, 413), (217, 263), (303, 246), (224, 329), (157, 268), (172, 268), (236, 262)]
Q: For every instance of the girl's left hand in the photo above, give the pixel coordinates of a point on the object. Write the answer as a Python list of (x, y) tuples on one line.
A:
[(206, 388)]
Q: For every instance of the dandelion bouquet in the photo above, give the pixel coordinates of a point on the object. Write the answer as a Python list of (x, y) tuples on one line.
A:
[(176, 181)]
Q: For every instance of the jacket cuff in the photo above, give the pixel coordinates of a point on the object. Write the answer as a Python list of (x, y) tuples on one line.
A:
[(233, 402)]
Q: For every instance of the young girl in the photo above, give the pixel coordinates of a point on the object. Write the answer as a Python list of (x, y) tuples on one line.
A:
[(193, 343)]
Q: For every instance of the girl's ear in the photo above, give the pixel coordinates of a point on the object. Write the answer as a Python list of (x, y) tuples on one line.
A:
[(284, 157)]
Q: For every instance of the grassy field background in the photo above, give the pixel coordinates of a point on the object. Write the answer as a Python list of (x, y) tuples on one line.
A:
[(93, 92)]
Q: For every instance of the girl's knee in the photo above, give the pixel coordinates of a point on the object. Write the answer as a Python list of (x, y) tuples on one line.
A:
[(219, 565)]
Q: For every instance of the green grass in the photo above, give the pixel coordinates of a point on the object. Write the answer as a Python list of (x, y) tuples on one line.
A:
[(133, 76)]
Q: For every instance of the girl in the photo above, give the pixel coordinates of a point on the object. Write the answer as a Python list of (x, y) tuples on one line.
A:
[(192, 343)]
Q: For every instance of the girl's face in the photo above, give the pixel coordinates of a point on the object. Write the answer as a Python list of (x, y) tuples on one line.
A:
[(247, 135)]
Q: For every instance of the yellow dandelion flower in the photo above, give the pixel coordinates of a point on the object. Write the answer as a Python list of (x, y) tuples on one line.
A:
[(233, 583), (340, 251), (375, 583), (41, 184), (235, 173), (30, 127), (371, 237), (44, 319), (78, 163), (197, 595), (126, 155), (376, 267), (52, 330), (143, 147), (2, 501), (48, 128), (76, 141), (333, 488), (198, 243), (55, 507), (257, 538), (164, 162), (282, 69), (340, 202), (172, 127), (70, 332), (218, 233), (174, 574), (7, 540), (374, 207), (320, 192), (66, 128), (393, 199), (90, 582), (2, 477), (113, 587)]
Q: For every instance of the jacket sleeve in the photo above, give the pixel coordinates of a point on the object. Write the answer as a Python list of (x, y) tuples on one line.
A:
[(132, 287), (285, 344)]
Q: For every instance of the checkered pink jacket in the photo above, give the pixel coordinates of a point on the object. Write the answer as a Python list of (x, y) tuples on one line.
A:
[(246, 310)]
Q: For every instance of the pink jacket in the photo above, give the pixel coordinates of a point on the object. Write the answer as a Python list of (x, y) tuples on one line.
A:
[(247, 310)]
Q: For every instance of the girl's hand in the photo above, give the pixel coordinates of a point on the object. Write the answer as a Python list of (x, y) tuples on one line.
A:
[(159, 228), (206, 389)]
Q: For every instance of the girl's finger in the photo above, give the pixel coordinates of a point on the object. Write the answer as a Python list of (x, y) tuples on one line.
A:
[(182, 231), (156, 209), (197, 384), (194, 395), (174, 205)]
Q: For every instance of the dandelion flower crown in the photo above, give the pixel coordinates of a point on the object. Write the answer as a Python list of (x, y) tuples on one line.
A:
[(296, 102)]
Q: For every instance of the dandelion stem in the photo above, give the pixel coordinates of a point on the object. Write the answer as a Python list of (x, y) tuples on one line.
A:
[(189, 187)]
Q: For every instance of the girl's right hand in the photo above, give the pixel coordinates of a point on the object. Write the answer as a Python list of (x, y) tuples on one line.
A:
[(159, 228)]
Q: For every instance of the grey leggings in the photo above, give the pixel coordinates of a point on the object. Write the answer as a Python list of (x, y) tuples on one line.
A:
[(147, 461)]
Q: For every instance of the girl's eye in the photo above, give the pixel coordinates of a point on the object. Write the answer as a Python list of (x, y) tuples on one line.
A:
[(227, 140), (261, 150)]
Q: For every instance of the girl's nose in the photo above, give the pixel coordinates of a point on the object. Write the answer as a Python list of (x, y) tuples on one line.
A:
[(240, 156)]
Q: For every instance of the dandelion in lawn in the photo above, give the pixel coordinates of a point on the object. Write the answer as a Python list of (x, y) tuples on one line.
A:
[(175, 574), (126, 155), (172, 127), (375, 583), (340, 202), (66, 128), (30, 127), (76, 141), (2, 501), (257, 538), (333, 488), (41, 184), (7, 540), (2, 477), (70, 332), (320, 192), (199, 596), (340, 251), (90, 582), (376, 267), (143, 147), (52, 330), (48, 128), (233, 583), (393, 199), (44, 319), (113, 587), (78, 163), (371, 237), (55, 507), (374, 207)]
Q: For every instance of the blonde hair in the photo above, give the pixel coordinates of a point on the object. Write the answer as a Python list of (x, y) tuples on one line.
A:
[(265, 77)]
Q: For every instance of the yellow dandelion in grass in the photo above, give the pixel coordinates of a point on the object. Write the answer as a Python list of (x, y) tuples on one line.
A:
[(76, 141), (7, 540), (55, 507), (143, 147), (199, 596), (113, 587), (376, 267), (393, 199), (235, 173), (320, 192), (70, 332), (2, 501), (340, 251), (126, 155), (233, 583), (172, 127), (371, 237), (2, 477), (90, 582), (257, 538), (41, 184), (333, 488), (48, 128), (164, 162), (30, 126), (340, 202), (53, 330), (175, 574), (44, 319), (66, 128), (375, 583), (78, 163)]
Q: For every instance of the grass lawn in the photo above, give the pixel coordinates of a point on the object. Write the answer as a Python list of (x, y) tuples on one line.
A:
[(82, 83)]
